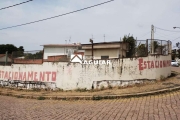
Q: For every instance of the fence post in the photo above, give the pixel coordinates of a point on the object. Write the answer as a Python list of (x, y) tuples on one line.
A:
[(161, 48), (6, 58), (147, 47), (12, 58)]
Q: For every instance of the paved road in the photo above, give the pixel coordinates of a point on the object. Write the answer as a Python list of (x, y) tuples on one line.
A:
[(159, 107)]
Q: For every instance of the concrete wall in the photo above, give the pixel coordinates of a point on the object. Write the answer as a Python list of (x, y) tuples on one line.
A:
[(74, 75)]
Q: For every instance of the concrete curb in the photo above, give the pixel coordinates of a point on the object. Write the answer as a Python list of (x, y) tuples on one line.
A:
[(94, 97)]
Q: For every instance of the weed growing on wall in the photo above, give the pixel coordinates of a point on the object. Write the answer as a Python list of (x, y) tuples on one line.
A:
[(81, 90)]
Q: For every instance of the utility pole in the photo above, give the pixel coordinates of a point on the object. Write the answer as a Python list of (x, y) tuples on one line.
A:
[(152, 39), (92, 48)]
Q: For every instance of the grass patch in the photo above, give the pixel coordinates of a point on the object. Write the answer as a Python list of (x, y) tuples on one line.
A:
[(96, 98), (36, 89), (41, 98), (20, 96), (81, 90)]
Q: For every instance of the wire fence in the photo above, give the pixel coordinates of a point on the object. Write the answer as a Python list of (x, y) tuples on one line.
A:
[(159, 47), (143, 48)]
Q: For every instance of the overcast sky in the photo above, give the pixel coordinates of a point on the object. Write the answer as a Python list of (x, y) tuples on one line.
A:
[(114, 19)]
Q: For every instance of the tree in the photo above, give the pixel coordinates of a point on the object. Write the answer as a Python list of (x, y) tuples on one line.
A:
[(21, 48), (142, 50), (8, 47), (37, 55), (156, 45), (178, 45), (173, 55), (132, 44)]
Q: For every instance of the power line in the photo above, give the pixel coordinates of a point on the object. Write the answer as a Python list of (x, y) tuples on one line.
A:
[(166, 30), (15, 5), (58, 15), (161, 35), (167, 37), (168, 34), (145, 34), (175, 39)]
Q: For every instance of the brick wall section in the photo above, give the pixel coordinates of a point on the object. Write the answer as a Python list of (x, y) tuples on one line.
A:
[(79, 53), (28, 61), (59, 58)]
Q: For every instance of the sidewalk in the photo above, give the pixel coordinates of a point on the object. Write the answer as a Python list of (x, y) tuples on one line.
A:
[(149, 88)]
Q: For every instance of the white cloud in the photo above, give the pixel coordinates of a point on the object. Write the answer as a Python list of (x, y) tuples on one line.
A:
[(114, 19)]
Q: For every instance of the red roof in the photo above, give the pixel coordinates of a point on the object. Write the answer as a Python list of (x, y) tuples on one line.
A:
[(2, 55)]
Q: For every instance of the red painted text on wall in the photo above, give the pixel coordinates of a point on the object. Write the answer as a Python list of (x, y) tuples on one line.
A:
[(29, 76), (153, 64)]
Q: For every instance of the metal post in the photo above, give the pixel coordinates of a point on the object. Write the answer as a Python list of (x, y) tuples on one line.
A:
[(152, 39), (43, 56), (147, 47), (6, 58), (161, 48), (12, 58)]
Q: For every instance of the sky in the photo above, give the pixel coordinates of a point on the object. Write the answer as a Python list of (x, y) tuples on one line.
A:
[(114, 20)]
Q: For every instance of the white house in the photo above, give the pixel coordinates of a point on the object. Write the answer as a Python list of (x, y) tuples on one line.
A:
[(60, 49), (105, 50)]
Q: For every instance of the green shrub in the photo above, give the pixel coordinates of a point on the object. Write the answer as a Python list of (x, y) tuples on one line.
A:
[(41, 98), (81, 90)]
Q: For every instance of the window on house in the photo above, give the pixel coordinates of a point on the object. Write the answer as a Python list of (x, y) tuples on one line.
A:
[(88, 57), (104, 57)]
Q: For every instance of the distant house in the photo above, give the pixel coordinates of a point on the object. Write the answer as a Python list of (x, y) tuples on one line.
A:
[(57, 51), (105, 50), (3, 59)]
